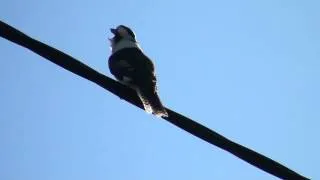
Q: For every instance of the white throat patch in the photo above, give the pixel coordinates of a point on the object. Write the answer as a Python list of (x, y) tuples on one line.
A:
[(124, 43)]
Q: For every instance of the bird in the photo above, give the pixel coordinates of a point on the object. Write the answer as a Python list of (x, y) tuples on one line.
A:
[(133, 68)]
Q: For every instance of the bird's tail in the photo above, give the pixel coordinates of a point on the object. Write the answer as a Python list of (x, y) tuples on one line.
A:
[(151, 102)]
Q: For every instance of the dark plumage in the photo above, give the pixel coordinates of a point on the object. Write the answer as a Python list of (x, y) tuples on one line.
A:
[(133, 68)]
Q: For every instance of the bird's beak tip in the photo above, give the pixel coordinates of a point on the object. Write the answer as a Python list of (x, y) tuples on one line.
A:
[(114, 31)]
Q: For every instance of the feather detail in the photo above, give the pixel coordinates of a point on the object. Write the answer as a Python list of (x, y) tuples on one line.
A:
[(151, 102)]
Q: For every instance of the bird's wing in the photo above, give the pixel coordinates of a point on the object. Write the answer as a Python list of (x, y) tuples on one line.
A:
[(132, 64)]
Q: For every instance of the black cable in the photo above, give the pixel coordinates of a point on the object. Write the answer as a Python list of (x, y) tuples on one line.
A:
[(71, 64)]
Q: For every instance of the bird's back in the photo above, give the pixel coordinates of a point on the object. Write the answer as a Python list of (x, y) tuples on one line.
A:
[(139, 66)]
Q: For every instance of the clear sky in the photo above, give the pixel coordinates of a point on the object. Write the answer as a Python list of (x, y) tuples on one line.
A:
[(246, 69)]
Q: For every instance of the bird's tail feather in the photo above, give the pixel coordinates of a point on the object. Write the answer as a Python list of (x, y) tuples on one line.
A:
[(152, 103)]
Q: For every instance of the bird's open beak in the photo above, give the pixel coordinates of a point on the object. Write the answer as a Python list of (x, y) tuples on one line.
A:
[(114, 31)]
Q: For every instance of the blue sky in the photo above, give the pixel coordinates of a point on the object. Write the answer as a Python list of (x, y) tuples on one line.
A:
[(246, 69)]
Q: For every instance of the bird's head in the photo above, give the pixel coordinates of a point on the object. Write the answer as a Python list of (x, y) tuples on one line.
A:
[(122, 33)]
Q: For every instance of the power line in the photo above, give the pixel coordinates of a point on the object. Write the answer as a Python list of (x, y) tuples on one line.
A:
[(71, 64)]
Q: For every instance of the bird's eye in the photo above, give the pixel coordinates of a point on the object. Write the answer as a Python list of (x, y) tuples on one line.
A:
[(122, 31)]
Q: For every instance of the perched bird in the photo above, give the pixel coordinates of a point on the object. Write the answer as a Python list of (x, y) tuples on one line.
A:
[(133, 68)]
